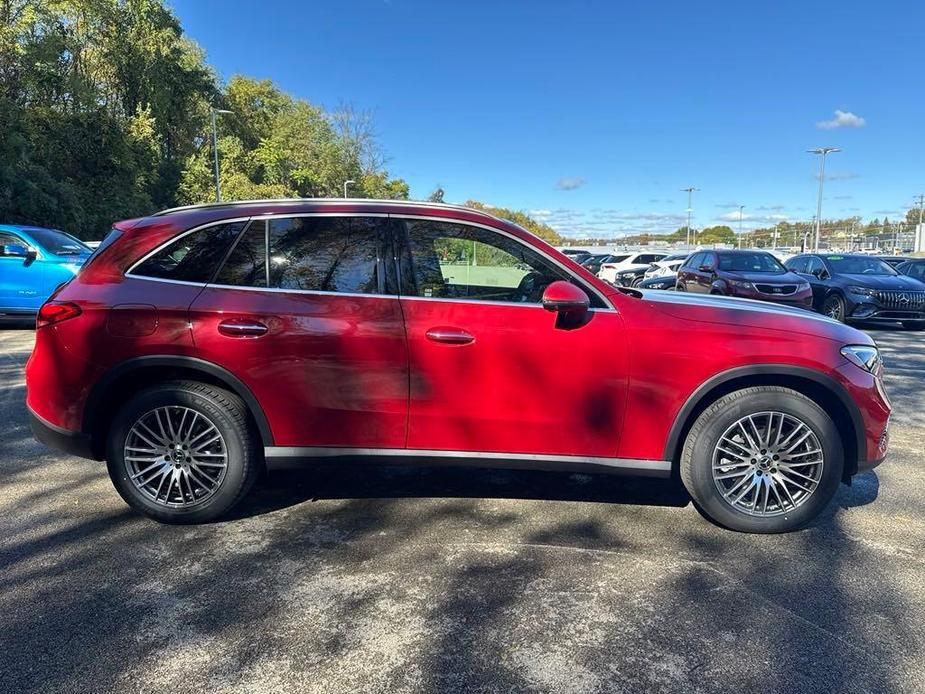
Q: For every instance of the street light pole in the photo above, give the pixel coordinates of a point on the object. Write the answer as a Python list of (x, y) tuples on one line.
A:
[(741, 207), (823, 151), (690, 191), (347, 183), (218, 185)]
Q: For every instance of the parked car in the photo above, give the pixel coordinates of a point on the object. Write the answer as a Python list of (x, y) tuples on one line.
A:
[(745, 274), (593, 262), (33, 261), (852, 287), (575, 254), (631, 276), (624, 262), (204, 344), (914, 268), (661, 282), (667, 266)]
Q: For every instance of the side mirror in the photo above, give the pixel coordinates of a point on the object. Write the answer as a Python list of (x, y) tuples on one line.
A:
[(565, 298), (706, 268), (820, 273)]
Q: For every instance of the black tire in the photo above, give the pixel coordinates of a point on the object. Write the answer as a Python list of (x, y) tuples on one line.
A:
[(697, 458), (834, 307), (637, 282), (229, 416), (914, 324)]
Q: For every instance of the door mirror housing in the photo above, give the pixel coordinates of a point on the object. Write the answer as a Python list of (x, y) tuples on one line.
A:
[(706, 268), (565, 298)]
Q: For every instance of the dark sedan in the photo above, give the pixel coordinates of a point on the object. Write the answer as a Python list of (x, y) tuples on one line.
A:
[(851, 288), (913, 267)]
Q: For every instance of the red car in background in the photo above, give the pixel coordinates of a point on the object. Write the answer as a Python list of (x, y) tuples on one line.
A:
[(202, 344), (745, 274)]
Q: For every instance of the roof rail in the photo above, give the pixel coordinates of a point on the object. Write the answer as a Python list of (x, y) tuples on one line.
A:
[(324, 201)]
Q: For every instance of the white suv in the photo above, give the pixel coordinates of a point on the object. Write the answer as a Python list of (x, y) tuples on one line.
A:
[(625, 261)]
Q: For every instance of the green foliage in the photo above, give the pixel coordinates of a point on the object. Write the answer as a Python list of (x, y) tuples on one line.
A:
[(717, 234), (544, 231), (105, 111)]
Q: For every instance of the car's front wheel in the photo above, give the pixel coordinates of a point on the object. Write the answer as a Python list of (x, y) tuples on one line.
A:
[(764, 460), (182, 452), (834, 307)]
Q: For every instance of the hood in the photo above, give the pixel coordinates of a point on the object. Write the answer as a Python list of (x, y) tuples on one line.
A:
[(883, 281), (768, 277), (754, 314)]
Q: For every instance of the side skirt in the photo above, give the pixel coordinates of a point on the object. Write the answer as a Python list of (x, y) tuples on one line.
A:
[(285, 457)]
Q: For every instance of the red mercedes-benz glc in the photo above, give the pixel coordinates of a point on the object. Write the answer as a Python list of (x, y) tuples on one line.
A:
[(201, 344)]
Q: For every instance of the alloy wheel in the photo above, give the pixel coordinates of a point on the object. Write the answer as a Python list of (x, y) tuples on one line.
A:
[(175, 456), (767, 464)]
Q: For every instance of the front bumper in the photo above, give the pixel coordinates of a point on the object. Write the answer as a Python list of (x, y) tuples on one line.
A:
[(872, 312), (71, 442)]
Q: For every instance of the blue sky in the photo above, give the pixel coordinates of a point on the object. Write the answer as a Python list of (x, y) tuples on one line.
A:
[(594, 115)]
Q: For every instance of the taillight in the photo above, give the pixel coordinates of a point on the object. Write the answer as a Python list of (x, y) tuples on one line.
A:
[(55, 312)]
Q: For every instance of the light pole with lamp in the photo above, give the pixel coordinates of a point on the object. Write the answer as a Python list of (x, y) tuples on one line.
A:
[(823, 151), (218, 185), (347, 183), (690, 191)]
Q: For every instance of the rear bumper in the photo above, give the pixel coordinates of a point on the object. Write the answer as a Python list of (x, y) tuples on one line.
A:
[(71, 442)]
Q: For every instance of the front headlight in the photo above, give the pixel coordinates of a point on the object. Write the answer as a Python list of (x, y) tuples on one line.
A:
[(742, 284), (627, 275), (802, 286), (863, 356), (862, 291)]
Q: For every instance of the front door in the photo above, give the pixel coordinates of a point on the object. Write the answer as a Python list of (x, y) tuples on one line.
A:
[(491, 370), (21, 281), (303, 312)]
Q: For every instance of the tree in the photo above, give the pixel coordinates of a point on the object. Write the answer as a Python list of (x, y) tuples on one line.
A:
[(717, 234), (436, 195), (544, 231)]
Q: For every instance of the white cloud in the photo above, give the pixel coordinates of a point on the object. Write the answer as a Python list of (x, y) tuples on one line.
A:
[(755, 218), (842, 119), (570, 183), (838, 175)]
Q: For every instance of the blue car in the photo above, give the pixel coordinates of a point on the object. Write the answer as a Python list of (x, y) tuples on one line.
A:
[(33, 261)]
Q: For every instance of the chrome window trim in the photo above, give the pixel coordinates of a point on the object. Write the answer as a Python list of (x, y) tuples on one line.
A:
[(581, 283), (609, 307), (636, 464)]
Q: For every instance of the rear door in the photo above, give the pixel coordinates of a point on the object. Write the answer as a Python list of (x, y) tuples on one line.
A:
[(305, 312), (491, 370)]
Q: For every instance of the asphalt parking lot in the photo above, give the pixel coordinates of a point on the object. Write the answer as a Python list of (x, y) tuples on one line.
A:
[(394, 580)]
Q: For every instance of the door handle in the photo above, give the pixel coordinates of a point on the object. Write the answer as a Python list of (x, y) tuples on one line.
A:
[(242, 328), (449, 336)]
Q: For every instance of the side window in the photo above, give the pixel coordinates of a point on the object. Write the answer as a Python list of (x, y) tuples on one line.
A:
[(247, 264), (917, 270), (193, 257), (694, 261), (710, 260), (796, 265), (813, 266), (329, 254), (9, 240), (458, 261)]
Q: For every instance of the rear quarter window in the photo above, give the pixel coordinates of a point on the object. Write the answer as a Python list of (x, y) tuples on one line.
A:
[(192, 257)]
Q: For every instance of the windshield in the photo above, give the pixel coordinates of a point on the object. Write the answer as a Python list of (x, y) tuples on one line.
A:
[(57, 242), (859, 265), (617, 258), (750, 262)]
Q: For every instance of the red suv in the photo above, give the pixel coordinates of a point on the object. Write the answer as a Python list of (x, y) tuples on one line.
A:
[(203, 344), (745, 274)]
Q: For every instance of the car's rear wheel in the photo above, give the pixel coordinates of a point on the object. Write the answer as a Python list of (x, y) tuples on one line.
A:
[(834, 307), (914, 324), (764, 460), (182, 452)]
